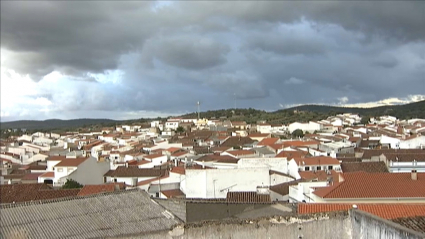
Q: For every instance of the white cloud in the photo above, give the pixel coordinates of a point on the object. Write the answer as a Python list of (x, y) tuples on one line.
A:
[(343, 100), (389, 101)]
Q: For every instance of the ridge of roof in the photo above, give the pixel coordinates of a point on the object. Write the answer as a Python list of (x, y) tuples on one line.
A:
[(47, 201)]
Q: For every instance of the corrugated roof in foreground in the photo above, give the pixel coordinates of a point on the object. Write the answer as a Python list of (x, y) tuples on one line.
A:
[(97, 216)]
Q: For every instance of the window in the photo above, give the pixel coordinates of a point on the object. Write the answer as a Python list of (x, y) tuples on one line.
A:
[(69, 169), (60, 170), (115, 180), (319, 168), (330, 167), (307, 168)]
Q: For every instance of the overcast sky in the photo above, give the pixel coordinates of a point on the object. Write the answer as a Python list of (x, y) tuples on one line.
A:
[(127, 60)]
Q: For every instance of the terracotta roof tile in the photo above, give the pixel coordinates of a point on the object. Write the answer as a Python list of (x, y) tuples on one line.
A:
[(319, 175), (95, 189), (31, 176), (283, 188), (268, 141), (387, 210), (375, 185), (134, 171), (291, 154), (48, 175), (70, 162), (236, 141), (31, 192), (370, 167), (56, 158), (173, 193), (241, 152), (416, 223)]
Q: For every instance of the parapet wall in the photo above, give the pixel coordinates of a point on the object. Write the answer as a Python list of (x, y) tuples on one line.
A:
[(366, 225), (353, 224)]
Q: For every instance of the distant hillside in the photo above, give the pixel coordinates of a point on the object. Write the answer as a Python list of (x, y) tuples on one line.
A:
[(54, 123), (412, 110), (302, 113)]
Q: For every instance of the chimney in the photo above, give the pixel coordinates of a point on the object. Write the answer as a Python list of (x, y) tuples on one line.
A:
[(414, 175)]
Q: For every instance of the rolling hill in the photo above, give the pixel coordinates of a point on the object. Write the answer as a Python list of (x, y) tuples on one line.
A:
[(302, 113)]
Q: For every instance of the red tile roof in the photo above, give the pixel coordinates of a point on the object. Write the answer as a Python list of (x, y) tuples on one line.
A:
[(241, 152), (179, 153), (95, 189), (291, 154), (320, 175), (268, 141), (375, 185), (174, 193), (31, 192), (173, 149), (48, 175), (133, 171), (31, 176), (387, 210), (70, 162), (56, 158), (152, 156)]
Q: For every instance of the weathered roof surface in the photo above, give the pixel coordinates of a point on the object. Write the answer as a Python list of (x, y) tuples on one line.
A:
[(70, 162), (121, 213), (376, 185), (370, 167), (95, 189), (134, 171), (384, 210), (283, 188), (268, 141), (173, 193), (415, 223), (31, 192), (236, 141)]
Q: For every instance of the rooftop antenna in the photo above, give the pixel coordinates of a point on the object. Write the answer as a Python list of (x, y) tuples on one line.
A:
[(198, 103)]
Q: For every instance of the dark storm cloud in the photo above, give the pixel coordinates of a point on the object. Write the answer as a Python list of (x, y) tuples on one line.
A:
[(260, 53), (190, 52)]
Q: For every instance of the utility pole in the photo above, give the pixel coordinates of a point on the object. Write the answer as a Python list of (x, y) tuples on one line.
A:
[(199, 103)]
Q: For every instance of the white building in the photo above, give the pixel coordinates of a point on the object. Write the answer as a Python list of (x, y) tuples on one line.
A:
[(215, 183), (305, 127)]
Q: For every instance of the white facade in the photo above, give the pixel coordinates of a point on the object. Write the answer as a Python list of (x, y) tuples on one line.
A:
[(25, 137), (215, 183), (305, 127), (173, 125), (394, 143), (413, 143), (276, 164), (406, 167), (303, 191), (37, 157), (264, 128), (42, 141)]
